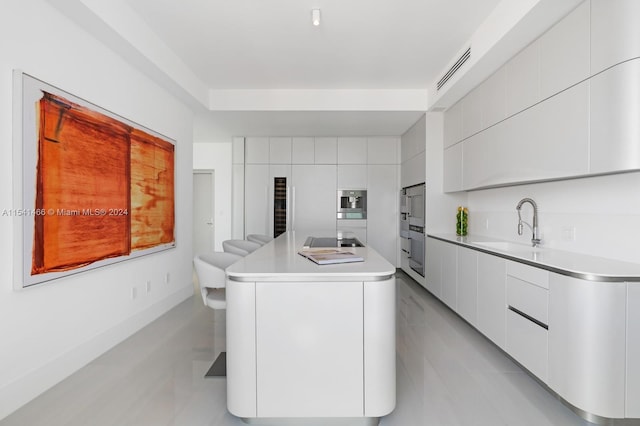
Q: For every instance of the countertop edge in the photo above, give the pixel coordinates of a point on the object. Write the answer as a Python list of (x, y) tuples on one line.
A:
[(598, 277), (309, 277)]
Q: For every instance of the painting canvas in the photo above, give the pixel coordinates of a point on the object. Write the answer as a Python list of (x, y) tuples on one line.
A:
[(97, 188)]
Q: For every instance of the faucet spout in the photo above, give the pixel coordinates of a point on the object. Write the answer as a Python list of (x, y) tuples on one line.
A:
[(535, 239)]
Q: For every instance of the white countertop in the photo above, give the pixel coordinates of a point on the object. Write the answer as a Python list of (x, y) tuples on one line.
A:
[(279, 261), (578, 265)]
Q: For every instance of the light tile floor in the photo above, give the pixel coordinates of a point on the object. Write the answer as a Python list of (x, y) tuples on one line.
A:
[(448, 374)]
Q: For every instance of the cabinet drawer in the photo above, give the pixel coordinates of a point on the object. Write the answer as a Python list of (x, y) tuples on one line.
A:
[(530, 274), (527, 343), (528, 299)]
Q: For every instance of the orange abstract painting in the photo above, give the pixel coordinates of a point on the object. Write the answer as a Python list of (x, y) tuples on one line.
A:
[(104, 188)]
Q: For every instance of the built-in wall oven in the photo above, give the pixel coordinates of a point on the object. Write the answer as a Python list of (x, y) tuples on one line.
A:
[(352, 204), (412, 223)]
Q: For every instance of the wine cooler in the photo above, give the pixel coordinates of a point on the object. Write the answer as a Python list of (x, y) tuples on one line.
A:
[(279, 205)]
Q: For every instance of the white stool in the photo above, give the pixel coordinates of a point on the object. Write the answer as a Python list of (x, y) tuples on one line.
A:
[(259, 238), (210, 269), (241, 247)]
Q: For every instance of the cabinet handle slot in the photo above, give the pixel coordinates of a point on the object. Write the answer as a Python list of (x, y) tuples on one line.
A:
[(529, 317)]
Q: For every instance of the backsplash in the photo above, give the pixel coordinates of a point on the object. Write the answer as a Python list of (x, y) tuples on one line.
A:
[(598, 216)]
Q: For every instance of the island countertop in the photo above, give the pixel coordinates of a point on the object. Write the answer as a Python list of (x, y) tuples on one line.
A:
[(279, 261), (310, 343)]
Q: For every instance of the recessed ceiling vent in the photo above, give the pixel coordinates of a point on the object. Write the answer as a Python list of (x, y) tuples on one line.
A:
[(454, 68)]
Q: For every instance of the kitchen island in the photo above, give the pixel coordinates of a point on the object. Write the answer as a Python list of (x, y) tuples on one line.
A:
[(308, 343)]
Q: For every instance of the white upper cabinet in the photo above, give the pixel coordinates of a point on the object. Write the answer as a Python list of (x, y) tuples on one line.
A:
[(302, 150), (326, 150), (353, 176), (352, 150), (549, 140), (523, 79), (383, 150), (256, 150), (565, 52), (472, 106), (453, 125), (280, 150), (413, 170), (615, 33), (452, 176), (615, 110), (562, 148), (493, 95)]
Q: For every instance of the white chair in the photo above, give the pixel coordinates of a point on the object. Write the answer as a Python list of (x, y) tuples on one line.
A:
[(210, 269), (241, 247), (259, 238)]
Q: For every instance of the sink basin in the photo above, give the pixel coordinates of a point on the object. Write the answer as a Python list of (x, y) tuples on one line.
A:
[(505, 246)]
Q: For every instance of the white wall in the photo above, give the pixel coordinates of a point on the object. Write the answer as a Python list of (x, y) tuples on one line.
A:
[(51, 330), (217, 157)]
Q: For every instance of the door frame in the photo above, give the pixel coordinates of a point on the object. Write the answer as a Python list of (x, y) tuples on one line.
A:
[(212, 173)]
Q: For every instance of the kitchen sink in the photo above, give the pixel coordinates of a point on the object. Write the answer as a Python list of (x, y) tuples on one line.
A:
[(506, 246)]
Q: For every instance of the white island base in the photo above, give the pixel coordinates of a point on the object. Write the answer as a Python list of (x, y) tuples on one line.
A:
[(310, 344)]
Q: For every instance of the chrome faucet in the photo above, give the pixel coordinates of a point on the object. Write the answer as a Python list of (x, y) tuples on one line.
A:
[(535, 239)]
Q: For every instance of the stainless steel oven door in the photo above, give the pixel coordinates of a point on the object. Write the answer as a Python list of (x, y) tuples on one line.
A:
[(405, 245), (416, 258), (416, 205)]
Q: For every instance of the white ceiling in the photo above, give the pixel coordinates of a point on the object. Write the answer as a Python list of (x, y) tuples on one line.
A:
[(360, 44), (258, 67)]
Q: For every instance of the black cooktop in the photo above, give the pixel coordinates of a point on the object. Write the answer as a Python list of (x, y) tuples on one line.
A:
[(332, 242)]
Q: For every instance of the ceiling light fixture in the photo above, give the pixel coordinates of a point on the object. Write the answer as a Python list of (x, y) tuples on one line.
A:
[(315, 17)]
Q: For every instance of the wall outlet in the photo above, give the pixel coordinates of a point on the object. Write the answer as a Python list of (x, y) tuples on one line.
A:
[(167, 277), (148, 286), (134, 293)]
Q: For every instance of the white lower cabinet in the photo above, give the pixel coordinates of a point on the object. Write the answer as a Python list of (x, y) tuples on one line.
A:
[(449, 275), (527, 343), (633, 350), (467, 288), (491, 297), (587, 340), (580, 337), (433, 265), (285, 371), (527, 317)]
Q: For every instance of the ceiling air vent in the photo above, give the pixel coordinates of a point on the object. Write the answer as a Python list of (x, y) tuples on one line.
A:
[(454, 68)]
